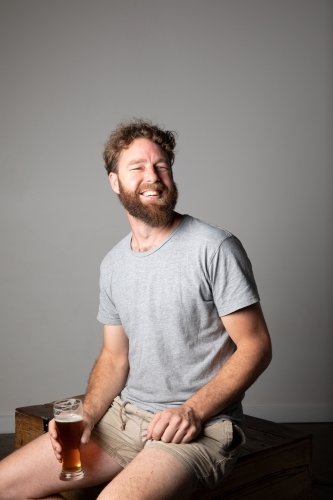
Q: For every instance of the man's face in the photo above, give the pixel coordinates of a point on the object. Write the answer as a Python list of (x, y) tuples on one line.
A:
[(144, 183)]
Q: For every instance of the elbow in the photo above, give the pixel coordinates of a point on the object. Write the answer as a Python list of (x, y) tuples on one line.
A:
[(268, 360), (267, 355)]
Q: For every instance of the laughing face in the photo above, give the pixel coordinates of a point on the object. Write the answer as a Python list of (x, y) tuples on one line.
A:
[(144, 183)]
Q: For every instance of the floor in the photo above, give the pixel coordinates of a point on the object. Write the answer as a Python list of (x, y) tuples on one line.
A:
[(322, 465)]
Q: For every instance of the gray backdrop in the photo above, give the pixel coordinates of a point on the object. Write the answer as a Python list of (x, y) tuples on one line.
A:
[(248, 86)]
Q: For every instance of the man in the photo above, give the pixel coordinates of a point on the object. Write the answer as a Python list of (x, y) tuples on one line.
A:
[(184, 337)]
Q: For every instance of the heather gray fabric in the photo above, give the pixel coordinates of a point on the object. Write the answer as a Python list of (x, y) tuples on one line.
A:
[(169, 301)]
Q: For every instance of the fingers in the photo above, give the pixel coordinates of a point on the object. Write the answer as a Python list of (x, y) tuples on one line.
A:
[(173, 428), (151, 426), (88, 425), (174, 425), (54, 440), (85, 435)]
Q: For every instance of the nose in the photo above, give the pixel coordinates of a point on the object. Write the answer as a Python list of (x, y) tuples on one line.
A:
[(151, 174)]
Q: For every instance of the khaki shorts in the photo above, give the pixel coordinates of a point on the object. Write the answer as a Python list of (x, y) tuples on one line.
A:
[(208, 459)]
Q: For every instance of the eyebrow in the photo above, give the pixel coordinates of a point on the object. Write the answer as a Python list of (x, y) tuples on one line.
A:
[(135, 161)]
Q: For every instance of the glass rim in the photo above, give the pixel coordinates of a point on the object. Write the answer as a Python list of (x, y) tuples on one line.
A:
[(67, 403)]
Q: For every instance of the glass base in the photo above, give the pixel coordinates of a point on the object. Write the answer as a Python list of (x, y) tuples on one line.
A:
[(71, 476)]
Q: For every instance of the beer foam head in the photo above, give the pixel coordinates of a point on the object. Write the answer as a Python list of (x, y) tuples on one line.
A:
[(65, 417)]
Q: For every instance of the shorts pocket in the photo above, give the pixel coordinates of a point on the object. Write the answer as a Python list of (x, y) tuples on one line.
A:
[(227, 434), (228, 438)]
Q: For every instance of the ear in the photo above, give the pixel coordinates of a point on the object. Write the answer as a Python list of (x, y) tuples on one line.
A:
[(113, 178)]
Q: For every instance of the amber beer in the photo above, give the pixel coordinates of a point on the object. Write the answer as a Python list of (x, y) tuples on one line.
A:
[(69, 434), (68, 419)]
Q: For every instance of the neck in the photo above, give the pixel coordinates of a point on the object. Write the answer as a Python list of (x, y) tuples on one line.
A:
[(145, 237)]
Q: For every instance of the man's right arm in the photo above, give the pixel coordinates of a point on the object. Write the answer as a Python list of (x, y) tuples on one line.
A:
[(107, 379)]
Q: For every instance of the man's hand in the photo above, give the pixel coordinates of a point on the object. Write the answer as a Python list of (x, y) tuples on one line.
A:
[(87, 428), (88, 425), (175, 425), (54, 440)]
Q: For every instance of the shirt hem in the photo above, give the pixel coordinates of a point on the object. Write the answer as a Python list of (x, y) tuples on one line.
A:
[(234, 308)]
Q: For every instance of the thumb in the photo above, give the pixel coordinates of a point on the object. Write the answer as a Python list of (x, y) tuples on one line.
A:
[(85, 435)]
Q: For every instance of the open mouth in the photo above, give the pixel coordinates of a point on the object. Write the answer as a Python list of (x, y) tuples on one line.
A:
[(151, 193)]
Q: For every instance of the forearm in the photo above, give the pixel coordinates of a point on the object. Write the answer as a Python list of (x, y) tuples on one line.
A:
[(184, 423), (108, 377), (248, 330), (235, 377)]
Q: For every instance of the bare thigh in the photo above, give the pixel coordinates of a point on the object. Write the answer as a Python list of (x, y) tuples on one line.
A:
[(32, 472), (152, 475)]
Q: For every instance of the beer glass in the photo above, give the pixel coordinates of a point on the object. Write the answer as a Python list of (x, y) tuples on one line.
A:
[(68, 418)]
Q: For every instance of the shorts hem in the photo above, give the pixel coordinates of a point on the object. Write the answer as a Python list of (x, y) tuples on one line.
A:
[(112, 452), (178, 456)]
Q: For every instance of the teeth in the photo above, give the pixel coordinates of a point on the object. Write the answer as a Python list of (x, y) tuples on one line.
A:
[(150, 193)]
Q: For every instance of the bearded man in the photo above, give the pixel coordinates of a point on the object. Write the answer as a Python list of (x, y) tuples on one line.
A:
[(184, 338)]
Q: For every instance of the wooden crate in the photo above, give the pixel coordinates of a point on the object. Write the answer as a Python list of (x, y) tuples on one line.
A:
[(31, 422), (275, 462)]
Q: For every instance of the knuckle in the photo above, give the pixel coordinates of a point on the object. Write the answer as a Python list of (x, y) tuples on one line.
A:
[(191, 433), (184, 426), (167, 414), (177, 420)]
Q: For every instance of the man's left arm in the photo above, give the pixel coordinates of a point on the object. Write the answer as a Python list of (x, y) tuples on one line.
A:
[(247, 328)]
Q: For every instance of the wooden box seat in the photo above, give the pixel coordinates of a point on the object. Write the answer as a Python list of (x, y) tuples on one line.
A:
[(275, 462)]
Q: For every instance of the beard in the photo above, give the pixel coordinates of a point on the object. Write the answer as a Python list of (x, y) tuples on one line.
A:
[(155, 214)]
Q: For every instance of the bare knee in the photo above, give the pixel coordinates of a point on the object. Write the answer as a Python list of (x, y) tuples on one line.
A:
[(7, 479), (24, 473), (152, 475)]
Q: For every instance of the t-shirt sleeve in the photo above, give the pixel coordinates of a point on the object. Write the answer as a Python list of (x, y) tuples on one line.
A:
[(232, 280), (107, 312)]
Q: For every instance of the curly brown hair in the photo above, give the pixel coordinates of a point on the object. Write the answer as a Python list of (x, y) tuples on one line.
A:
[(136, 128)]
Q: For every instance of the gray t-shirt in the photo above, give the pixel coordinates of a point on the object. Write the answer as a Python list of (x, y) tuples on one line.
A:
[(169, 301)]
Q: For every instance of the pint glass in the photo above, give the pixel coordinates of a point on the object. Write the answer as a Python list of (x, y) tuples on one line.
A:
[(68, 418)]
